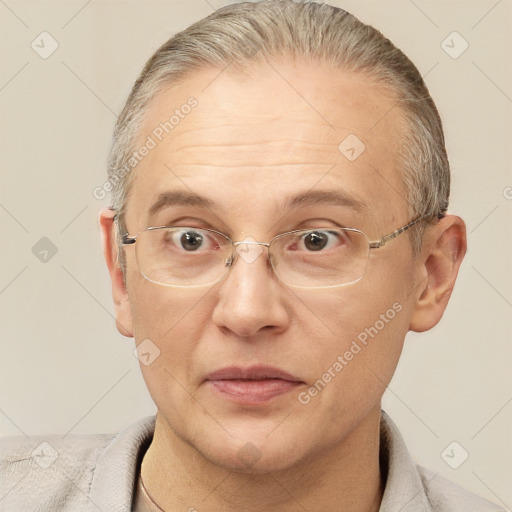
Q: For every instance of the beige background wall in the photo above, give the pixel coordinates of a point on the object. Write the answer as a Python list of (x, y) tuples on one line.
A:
[(63, 366)]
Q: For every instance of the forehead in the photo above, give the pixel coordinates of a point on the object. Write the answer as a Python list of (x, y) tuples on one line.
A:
[(277, 129)]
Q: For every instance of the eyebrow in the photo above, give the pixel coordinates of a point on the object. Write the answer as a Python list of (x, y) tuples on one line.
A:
[(179, 199), (316, 197), (309, 198)]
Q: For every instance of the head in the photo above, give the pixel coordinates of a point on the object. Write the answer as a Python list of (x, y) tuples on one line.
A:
[(265, 118)]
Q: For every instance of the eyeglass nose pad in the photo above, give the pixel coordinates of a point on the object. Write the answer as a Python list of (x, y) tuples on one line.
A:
[(249, 250)]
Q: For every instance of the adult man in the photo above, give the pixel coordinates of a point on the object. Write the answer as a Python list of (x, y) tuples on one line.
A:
[(278, 225)]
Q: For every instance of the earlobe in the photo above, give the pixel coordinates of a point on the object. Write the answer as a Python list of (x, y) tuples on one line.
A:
[(444, 248), (119, 292)]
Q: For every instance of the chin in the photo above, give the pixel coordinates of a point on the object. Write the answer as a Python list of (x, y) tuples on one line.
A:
[(252, 460), (254, 451)]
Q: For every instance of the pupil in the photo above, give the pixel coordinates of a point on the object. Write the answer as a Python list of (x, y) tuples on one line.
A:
[(315, 241), (191, 241)]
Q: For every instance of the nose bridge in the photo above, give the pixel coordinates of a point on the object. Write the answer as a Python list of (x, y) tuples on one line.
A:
[(249, 250), (251, 242), (249, 298)]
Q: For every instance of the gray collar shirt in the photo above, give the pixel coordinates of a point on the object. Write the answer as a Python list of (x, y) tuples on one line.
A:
[(100, 473)]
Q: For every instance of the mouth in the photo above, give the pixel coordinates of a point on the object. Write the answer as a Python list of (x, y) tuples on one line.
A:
[(253, 385)]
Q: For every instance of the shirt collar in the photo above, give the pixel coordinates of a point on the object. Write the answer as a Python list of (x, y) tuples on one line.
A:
[(404, 490)]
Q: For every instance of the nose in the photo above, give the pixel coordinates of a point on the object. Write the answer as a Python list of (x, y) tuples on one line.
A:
[(250, 297)]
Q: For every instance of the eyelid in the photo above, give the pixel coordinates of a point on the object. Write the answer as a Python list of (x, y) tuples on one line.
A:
[(197, 223), (325, 226), (190, 223)]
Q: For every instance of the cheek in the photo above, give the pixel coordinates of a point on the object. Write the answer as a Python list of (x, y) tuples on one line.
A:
[(160, 312), (174, 320), (351, 368), (361, 330), (341, 314)]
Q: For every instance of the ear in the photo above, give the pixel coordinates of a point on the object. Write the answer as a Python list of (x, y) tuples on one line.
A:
[(443, 250), (110, 253)]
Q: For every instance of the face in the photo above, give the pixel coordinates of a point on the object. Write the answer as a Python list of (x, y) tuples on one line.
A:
[(257, 156)]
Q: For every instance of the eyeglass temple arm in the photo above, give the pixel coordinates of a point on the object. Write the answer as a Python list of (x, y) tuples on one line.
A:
[(379, 243), (126, 239)]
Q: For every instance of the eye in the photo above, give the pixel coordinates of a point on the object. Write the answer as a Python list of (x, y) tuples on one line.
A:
[(188, 239), (319, 240)]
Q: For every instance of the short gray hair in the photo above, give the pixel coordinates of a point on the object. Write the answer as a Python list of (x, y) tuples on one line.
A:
[(242, 33)]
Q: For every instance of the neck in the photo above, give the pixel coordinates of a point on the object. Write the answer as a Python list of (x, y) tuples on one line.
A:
[(345, 477)]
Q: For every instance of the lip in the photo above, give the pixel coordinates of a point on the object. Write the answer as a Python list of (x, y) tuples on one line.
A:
[(258, 372), (253, 385)]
